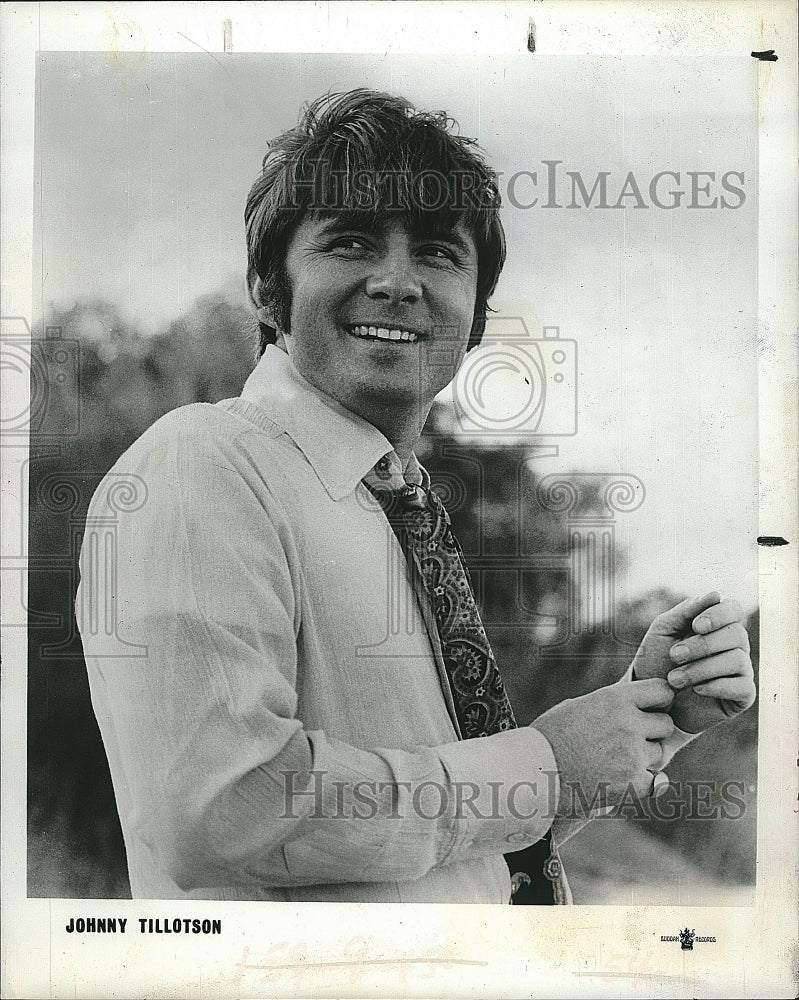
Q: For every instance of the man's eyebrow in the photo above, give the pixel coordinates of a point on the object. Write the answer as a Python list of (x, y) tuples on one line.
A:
[(338, 222)]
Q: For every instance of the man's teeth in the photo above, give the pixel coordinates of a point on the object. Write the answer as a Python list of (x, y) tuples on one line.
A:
[(381, 333)]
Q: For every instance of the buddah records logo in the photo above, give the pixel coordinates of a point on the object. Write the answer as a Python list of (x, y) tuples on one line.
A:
[(687, 939)]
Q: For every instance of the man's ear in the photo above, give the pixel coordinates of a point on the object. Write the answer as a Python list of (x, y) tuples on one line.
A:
[(255, 299)]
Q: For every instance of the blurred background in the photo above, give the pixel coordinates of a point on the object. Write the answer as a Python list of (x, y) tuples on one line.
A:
[(142, 168)]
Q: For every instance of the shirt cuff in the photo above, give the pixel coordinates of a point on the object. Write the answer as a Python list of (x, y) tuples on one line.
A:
[(507, 786)]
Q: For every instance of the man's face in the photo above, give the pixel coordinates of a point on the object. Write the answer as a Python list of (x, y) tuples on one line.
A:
[(379, 319)]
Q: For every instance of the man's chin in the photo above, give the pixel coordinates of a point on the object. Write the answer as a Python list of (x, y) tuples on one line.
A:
[(389, 394)]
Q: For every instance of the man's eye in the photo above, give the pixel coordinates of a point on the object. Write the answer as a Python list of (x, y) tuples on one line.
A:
[(348, 243), (438, 252)]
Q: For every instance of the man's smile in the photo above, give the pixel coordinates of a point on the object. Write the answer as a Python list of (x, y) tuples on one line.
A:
[(391, 334)]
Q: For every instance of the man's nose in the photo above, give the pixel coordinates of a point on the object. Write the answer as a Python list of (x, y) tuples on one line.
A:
[(394, 278)]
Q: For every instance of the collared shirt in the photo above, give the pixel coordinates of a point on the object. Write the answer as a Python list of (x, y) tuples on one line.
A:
[(279, 728)]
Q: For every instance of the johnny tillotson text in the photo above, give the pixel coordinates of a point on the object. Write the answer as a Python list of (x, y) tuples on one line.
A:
[(147, 925)]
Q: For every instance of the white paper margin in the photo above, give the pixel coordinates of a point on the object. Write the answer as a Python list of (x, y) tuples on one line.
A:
[(384, 950)]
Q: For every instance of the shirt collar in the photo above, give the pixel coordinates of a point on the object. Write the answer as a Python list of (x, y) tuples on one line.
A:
[(341, 447)]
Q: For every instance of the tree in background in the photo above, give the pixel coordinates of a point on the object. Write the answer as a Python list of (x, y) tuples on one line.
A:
[(119, 385)]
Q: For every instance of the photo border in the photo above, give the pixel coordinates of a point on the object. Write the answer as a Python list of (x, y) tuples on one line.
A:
[(286, 949)]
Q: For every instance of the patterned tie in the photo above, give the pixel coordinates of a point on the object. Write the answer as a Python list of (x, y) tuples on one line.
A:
[(422, 527)]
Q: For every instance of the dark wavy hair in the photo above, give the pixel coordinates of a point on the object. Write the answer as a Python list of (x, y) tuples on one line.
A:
[(371, 154)]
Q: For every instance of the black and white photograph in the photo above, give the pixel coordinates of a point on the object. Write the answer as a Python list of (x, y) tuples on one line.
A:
[(401, 469)]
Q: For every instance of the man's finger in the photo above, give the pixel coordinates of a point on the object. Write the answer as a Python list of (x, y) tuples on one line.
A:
[(656, 725), (716, 617), (730, 663), (680, 617), (659, 784), (740, 691), (654, 752), (697, 647), (652, 693)]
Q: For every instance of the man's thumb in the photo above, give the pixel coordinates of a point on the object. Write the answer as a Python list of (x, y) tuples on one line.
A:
[(676, 620), (652, 693)]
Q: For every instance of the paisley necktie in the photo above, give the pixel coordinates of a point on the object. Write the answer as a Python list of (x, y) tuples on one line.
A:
[(422, 527)]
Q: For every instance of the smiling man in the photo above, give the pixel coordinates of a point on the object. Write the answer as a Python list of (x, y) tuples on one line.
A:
[(271, 737)]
